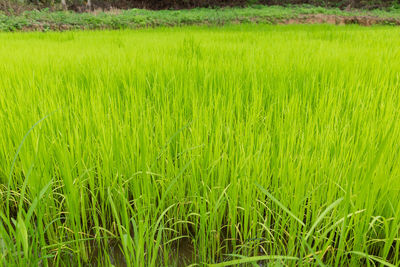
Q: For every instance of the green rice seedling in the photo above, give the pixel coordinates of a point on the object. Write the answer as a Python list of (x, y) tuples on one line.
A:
[(221, 146)]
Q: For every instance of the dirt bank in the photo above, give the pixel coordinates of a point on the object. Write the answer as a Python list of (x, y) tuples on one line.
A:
[(340, 20), (299, 19)]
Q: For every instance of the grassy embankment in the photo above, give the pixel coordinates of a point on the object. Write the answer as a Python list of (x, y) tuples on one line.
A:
[(137, 18)]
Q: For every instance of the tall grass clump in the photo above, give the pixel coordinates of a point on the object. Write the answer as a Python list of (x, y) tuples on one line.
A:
[(276, 145)]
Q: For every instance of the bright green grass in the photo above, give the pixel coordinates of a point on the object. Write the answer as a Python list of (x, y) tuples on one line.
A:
[(275, 142)]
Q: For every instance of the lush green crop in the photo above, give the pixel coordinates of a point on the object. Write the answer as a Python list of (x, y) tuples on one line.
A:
[(240, 143)]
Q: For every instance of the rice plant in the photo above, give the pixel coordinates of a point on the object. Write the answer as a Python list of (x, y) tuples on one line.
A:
[(240, 145)]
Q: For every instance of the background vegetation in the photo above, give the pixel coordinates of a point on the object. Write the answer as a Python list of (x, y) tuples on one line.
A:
[(141, 18), (84, 5)]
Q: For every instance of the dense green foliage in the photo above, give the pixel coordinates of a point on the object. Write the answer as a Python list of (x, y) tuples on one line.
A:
[(139, 18), (225, 143), (82, 5)]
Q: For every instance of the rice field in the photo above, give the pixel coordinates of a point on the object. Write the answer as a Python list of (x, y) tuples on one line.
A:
[(242, 145)]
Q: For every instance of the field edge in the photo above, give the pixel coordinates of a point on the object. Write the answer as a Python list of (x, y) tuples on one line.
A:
[(139, 18)]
